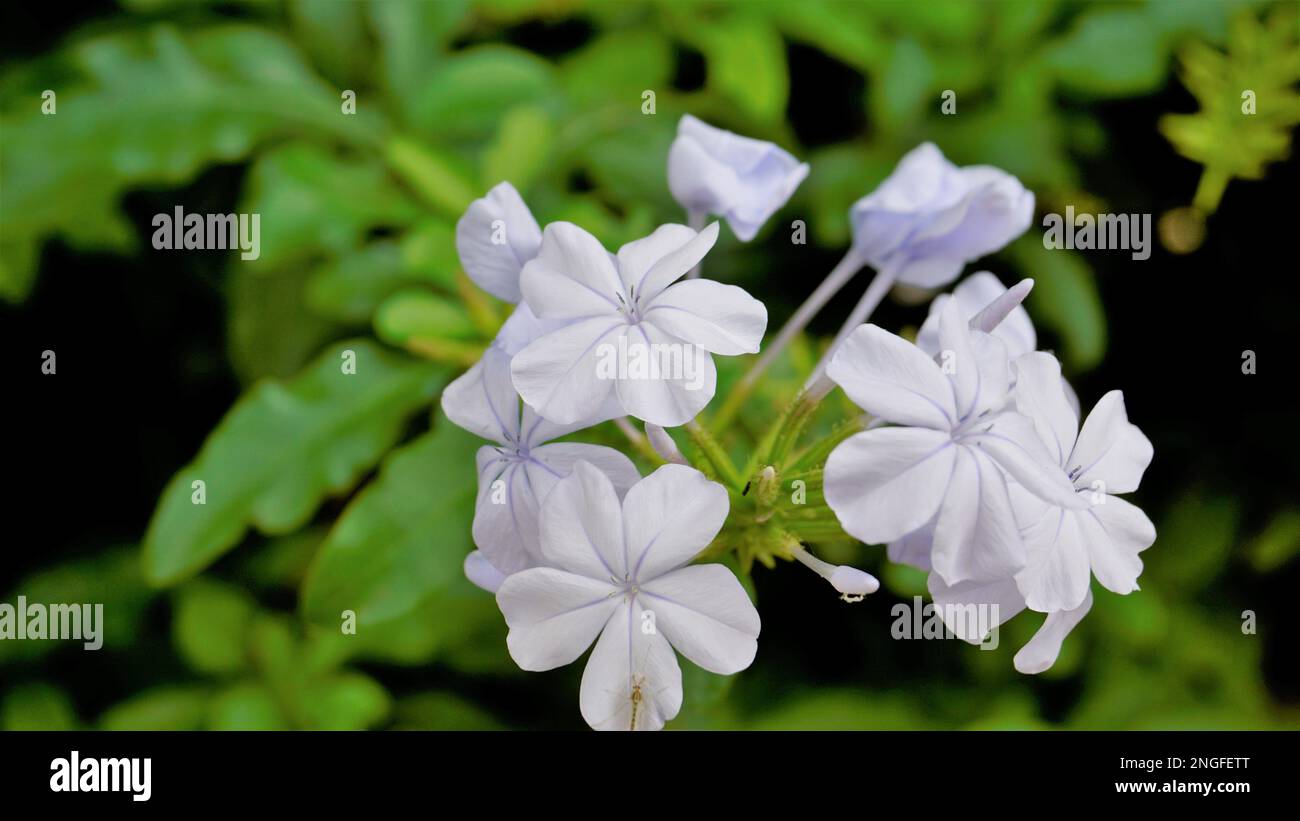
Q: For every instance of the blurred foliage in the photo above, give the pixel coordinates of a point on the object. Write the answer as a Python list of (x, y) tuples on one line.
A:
[(329, 493)]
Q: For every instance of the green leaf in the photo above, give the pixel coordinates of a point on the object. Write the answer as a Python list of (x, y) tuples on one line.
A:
[(746, 64), (470, 90), (616, 67), (351, 288), (214, 95), (37, 706), (1111, 52), (210, 626), (1278, 544), (349, 701), (522, 148), (901, 91), (403, 537), (270, 331), (314, 200), (1261, 59), (441, 711), (421, 314), (246, 706), (1064, 299), (112, 578), (162, 708), (281, 449), (413, 38), (334, 35)]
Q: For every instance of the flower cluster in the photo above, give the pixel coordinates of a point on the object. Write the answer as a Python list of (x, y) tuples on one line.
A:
[(973, 467)]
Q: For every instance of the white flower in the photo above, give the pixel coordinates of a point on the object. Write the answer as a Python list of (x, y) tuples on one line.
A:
[(929, 217), (630, 303), (1108, 455), (494, 238), (712, 171), (945, 462), (975, 293), (618, 571), (515, 475)]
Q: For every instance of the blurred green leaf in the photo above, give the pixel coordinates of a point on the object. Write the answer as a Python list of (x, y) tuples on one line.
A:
[(112, 578), (403, 537), (419, 313), (350, 701), (246, 706), (281, 449), (1136, 57), (413, 39), (905, 87), (522, 148), (1278, 544), (270, 330), (316, 201), (210, 626), (441, 711), (616, 67), (746, 64), (1064, 299), (37, 706), (161, 708), (470, 90), (214, 94)]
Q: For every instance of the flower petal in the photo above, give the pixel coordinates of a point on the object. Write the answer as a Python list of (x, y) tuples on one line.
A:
[(481, 572), (558, 374), (553, 615), (1040, 395), (715, 171), (506, 514), (914, 548), (1041, 651), (560, 457), (582, 526), (632, 680), (891, 378), (1126, 532), (722, 319), (572, 276), (676, 382), (1056, 573), (495, 238), (706, 614), (973, 294), (1110, 449), (636, 258), (973, 609), (975, 362), (975, 534), (1013, 442), (674, 262), (886, 483), (669, 517), (483, 400)]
